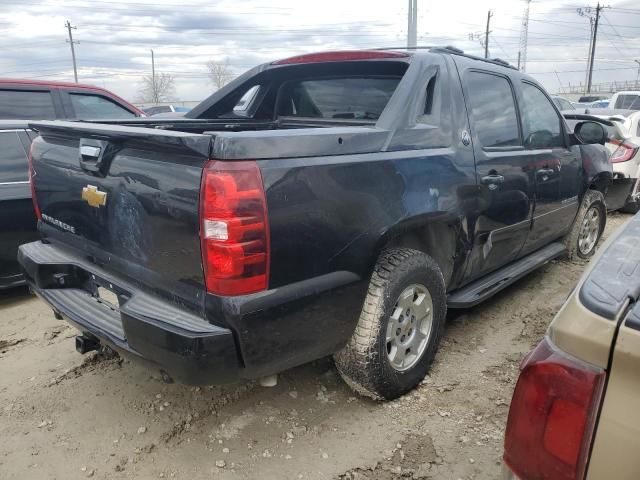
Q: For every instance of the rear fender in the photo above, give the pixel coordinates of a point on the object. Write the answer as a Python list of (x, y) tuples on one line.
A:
[(435, 234)]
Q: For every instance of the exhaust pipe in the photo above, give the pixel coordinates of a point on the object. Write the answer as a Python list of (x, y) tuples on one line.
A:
[(86, 344)]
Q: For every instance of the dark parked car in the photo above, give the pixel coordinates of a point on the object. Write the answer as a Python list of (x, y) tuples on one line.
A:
[(340, 211), (17, 218), (48, 100)]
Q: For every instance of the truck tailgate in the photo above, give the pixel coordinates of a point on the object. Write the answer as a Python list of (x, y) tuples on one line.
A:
[(126, 198)]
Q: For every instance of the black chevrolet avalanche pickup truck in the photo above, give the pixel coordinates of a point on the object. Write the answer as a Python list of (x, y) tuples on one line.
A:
[(332, 203)]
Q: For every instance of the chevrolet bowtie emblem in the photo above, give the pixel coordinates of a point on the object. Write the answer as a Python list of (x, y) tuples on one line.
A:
[(94, 197)]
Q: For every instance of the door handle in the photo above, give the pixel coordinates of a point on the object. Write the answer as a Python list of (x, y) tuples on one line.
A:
[(546, 171), (493, 179)]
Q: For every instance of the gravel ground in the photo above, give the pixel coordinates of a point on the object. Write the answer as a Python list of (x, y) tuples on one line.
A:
[(67, 416)]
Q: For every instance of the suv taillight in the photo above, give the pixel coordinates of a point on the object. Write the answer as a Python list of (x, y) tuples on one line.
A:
[(32, 174), (626, 151), (552, 415), (234, 228)]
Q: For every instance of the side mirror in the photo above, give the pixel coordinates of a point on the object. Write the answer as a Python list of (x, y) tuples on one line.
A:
[(590, 132)]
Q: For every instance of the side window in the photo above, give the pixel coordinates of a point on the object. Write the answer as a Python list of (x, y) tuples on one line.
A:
[(245, 102), (428, 99), (93, 107), (13, 158), (26, 105), (541, 123), (493, 110)]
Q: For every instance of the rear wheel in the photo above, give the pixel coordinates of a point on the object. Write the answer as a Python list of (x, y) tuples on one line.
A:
[(587, 227), (399, 328)]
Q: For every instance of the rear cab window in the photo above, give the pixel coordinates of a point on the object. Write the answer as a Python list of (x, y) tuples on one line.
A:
[(359, 98), (320, 93), (26, 104)]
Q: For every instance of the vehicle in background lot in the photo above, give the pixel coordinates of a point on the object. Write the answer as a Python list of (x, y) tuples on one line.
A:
[(574, 412), (625, 101), (624, 154), (591, 98), (619, 188), (155, 110), (563, 103), (600, 104), (48, 100), (17, 218), (624, 145), (241, 241), (596, 158)]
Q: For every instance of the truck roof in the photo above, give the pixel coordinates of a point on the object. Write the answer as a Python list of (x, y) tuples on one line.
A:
[(381, 54)]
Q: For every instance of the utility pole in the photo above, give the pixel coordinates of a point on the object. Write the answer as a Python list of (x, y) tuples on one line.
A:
[(519, 53), (486, 35), (593, 46), (587, 12), (73, 51), (412, 24), (637, 74), (586, 79), (524, 37), (153, 79)]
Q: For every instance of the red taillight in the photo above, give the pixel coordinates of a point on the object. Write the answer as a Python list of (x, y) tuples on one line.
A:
[(343, 56), (32, 174), (234, 228), (552, 415), (626, 151)]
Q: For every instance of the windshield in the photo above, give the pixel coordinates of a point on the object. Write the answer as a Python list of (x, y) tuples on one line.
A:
[(361, 98)]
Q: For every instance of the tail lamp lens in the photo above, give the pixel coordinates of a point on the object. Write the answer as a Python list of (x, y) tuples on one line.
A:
[(32, 175), (552, 415), (626, 151), (234, 228)]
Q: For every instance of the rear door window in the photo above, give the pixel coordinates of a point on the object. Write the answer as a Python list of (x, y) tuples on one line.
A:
[(26, 105), (93, 107), (493, 110), (362, 98), (13, 158)]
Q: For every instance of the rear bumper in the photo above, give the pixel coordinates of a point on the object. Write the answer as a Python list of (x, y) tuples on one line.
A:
[(188, 348)]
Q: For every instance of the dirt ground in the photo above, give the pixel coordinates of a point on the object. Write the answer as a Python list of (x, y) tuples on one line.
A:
[(67, 416)]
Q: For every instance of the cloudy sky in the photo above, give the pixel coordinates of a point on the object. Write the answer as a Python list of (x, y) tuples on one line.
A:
[(115, 36)]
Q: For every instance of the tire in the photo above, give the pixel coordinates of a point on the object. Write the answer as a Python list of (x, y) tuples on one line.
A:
[(587, 227), (381, 369)]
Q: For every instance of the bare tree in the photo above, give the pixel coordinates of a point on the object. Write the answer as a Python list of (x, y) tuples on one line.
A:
[(219, 73), (157, 88)]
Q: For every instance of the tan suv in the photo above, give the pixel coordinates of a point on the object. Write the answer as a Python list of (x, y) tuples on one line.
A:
[(575, 412)]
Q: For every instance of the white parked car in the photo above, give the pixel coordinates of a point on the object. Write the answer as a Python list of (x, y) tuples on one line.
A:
[(624, 145), (629, 100)]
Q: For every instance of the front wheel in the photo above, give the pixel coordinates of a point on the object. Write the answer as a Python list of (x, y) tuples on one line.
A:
[(400, 326), (587, 227)]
